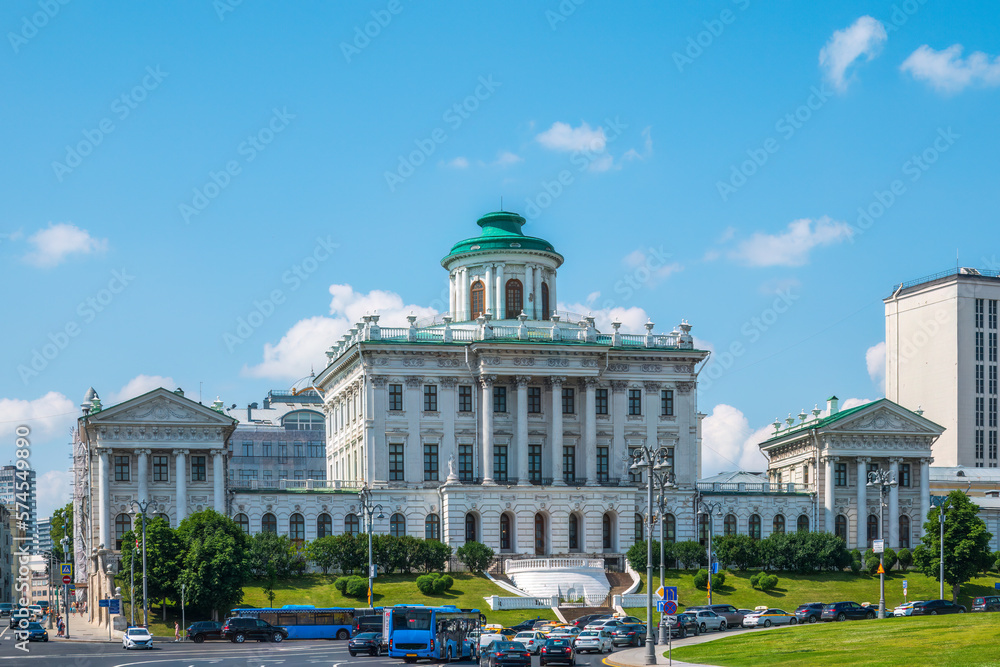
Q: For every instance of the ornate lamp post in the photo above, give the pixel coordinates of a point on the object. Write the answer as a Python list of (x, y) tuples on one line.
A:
[(884, 481), (942, 505), (68, 558), (368, 511), (142, 506), (712, 510), (664, 481)]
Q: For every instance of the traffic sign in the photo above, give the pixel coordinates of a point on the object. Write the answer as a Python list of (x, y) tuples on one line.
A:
[(67, 579), (904, 584), (671, 593), (997, 585), (103, 603), (660, 592), (715, 568), (666, 606), (881, 570), (114, 606), (878, 546), (67, 568), (72, 587)]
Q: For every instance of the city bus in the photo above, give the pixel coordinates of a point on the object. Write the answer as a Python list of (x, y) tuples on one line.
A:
[(437, 633), (308, 621)]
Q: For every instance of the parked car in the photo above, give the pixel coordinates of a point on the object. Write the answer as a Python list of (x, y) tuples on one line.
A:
[(844, 611), (533, 640), (5, 609), (557, 650), (503, 652), (365, 642), (988, 603), (597, 640), (809, 612), (629, 619), (935, 607), (36, 633), (202, 630), (768, 617), (683, 625), (905, 609), (238, 629), (629, 634), (588, 618), (137, 638), (733, 616), (709, 620), (526, 625)]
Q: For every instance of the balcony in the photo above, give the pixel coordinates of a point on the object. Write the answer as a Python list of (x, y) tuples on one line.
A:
[(752, 487)]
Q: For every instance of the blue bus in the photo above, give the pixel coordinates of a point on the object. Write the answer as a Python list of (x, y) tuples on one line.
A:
[(436, 633), (308, 621)]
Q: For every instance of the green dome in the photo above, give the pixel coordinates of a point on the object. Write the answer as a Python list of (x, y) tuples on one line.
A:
[(501, 232)]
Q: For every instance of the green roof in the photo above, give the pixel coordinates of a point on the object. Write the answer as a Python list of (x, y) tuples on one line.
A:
[(501, 231), (820, 423)]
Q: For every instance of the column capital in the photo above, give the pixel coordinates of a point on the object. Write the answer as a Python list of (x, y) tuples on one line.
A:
[(522, 380), (181, 452), (500, 265), (413, 381), (619, 386), (216, 452), (144, 452), (864, 459), (379, 380), (487, 380), (556, 380), (651, 386), (590, 382), (895, 460), (449, 381), (829, 459), (926, 460)]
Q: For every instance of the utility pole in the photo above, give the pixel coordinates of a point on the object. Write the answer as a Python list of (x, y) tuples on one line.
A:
[(368, 511)]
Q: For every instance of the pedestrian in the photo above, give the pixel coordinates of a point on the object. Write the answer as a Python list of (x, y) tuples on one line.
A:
[(61, 625), (177, 631)]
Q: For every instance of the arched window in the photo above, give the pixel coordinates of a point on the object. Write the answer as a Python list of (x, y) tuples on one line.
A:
[(297, 529), (324, 525), (574, 533), (669, 528), (703, 529), (303, 420), (803, 524), (515, 299), (755, 526), (123, 524), (243, 522), (904, 531), (545, 301), (872, 529), (505, 533), (352, 525), (477, 299), (432, 527), (729, 525), (470, 527), (640, 528), (539, 535), (840, 527), (269, 523), (778, 525), (397, 525), (606, 533)]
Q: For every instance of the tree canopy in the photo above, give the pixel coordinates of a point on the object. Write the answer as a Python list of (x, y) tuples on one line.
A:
[(966, 543), (216, 562)]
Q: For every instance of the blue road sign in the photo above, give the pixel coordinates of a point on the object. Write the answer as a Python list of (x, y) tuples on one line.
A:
[(114, 606), (715, 568), (103, 603), (671, 593), (997, 585), (666, 606)]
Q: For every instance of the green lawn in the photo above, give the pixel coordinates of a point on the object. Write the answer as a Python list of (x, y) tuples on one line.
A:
[(969, 640)]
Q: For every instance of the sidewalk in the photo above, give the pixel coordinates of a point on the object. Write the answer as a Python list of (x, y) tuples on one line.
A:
[(82, 631), (636, 657)]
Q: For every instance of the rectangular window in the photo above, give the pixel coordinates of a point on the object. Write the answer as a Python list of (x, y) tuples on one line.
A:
[(500, 463), (993, 380), (267, 475), (396, 463), (993, 412), (430, 463), (430, 398), (601, 401), (499, 399), (840, 474), (569, 464), (464, 398), (283, 451), (603, 464), (980, 410), (635, 401), (198, 473), (161, 469), (300, 474), (247, 475), (667, 402), (993, 313), (979, 450), (282, 474), (568, 400), (904, 475), (979, 346), (872, 467), (670, 458), (247, 449), (993, 452), (805, 474), (993, 347), (980, 378), (465, 463), (535, 464), (979, 313), (534, 400), (121, 469), (265, 448), (396, 397), (316, 450), (300, 448)]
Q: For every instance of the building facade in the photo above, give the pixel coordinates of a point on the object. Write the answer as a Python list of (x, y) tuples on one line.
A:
[(16, 497)]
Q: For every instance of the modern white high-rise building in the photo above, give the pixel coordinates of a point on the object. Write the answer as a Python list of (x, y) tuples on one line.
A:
[(941, 356), (20, 499)]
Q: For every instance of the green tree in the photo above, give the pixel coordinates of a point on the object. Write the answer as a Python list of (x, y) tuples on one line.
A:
[(62, 517), (272, 575), (325, 552), (475, 555), (271, 549), (966, 543), (215, 564), (690, 553), (739, 551), (905, 558), (164, 552)]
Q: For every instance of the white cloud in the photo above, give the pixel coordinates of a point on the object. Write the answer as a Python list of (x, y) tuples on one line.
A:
[(458, 163), (656, 268), (632, 319), (506, 159), (792, 247), (855, 402), (729, 443), (58, 241), (948, 72), (49, 417), (875, 360), (864, 37), (53, 490), (563, 137), (138, 386)]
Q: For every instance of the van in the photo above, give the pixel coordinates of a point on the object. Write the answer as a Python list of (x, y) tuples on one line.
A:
[(987, 603), (369, 623)]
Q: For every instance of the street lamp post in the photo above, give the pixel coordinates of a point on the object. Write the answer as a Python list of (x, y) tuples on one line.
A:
[(664, 481), (368, 511), (710, 509), (142, 506), (884, 481), (68, 557), (942, 505)]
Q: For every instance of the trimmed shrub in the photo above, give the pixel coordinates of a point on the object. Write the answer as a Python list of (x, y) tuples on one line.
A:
[(425, 583), (690, 554), (855, 566), (905, 559), (718, 579), (764, 581), (889, 558), (475, 555), (701, 579), (357, 587), (446, 582), (341, 585)]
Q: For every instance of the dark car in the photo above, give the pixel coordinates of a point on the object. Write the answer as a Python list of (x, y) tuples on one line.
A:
[(935, 607), (36, 633), (988, 603), (5, 609), (630, 634), (238, 629), (683, 625), (558, 650), (365, 642), (367, 623), (843, 611), (505, 653), (733, 616), (524, 626), (809, 613), (588, 618), (202, 630)]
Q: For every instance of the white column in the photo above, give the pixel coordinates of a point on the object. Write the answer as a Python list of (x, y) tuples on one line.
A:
[(828, 518), (862, 535), (488, 289), (590, 430), (143, 473), (894, 505), (556, 382), (180, 461), (218, 481), (652, 413), (104, 492), (522, 430), (925, 492), (452, 297), (486, 410), (463, 295), (618, 446), (501, 294), (536, 292), (553, 304)]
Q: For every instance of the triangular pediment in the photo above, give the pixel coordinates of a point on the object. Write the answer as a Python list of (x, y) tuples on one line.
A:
[(884, 416), (160, 406)]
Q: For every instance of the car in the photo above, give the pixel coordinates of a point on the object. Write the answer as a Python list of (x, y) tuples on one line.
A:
[(36, 611), (843, 611), (988, 603), (935, 607), (503, 652), (44, 604), (608, 624), (570, 631), (629, 634), (240, 628), (526, 625), (597, 640), (367, 623), (487, 638), (733, 616), (905, 609), (629, 619), (582, 621), (202, 630), (682, 625), (365, 642), (557, 650), (809, 612), (36, 633), (532, 640), (550, 626), (768, 617), (5, 609), (709, 620), (136, 637)]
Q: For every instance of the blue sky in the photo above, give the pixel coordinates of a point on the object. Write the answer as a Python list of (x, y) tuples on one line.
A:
[(169, 170)]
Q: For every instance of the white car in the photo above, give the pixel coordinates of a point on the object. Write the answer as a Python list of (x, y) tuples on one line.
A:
[(905, 609), (608, 624), (488, 638), (593, 641), (709, 620), (137, 638), (533, 640), (769, 617), (36, 611), (569, 631)]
